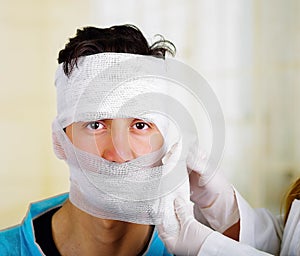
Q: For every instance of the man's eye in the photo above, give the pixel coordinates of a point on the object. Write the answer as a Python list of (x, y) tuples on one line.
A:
[(141, 126), (95, 125)]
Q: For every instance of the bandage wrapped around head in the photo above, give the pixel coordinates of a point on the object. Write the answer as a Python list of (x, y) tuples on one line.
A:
[(119, 85)]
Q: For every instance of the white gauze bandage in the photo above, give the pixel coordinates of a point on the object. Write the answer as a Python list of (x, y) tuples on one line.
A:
[(116, 85)]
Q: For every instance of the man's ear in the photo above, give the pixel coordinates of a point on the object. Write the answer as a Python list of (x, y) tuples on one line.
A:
[(57, 147)]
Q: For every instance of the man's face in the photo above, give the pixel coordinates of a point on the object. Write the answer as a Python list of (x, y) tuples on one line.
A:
[(116, 140)]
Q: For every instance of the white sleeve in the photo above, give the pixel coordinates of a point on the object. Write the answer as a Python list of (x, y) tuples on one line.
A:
[(217, 244), (259, 228)]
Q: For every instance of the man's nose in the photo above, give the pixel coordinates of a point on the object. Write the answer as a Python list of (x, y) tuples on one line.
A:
[(119, 149)]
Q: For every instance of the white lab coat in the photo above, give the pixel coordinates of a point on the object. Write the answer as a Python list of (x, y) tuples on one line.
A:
[(261, 230), (291, 235)]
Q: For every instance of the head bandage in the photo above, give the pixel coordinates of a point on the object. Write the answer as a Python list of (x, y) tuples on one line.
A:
[(114, 85), (102, 83)]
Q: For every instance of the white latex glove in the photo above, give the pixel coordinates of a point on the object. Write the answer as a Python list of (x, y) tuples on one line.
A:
[(213, 196), (196, 239), (192, 233)]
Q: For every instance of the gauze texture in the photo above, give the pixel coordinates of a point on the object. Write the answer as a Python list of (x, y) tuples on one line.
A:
[(102, 83), (117, 85), (136, 191), (121, 85)]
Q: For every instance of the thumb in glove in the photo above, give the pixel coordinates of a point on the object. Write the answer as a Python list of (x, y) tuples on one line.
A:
[(191, 236)]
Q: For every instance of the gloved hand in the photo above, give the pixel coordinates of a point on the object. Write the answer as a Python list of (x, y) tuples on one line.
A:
[(195, 238), (213, 196), (192, 233)]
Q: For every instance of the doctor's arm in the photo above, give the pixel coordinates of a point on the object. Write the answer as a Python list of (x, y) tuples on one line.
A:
[(218, 205), (195, 238)]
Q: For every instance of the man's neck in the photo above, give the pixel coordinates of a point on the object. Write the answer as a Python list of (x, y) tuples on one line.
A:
[(78, 233)]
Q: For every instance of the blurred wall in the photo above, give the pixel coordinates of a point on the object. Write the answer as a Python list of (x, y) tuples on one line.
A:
[(249, 51), (32, 33)]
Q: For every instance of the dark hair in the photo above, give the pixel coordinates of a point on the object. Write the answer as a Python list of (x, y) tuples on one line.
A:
[(121, 39)]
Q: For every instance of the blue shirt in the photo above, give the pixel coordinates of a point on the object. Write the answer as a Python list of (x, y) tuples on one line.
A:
[(20, 240)]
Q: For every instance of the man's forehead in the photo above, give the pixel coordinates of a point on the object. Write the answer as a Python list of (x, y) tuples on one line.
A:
[(110, 120)]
